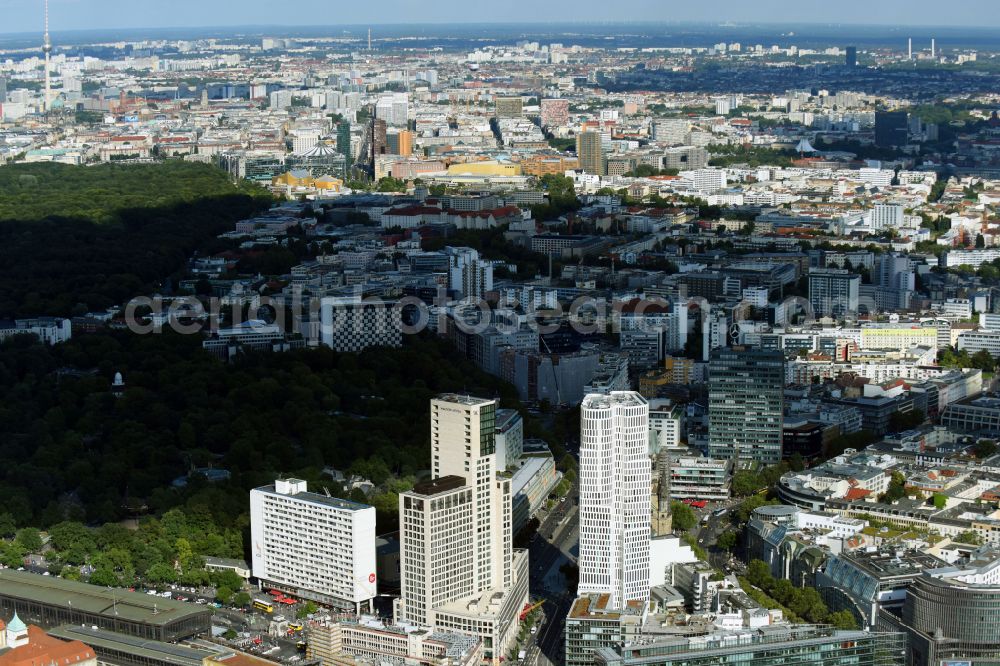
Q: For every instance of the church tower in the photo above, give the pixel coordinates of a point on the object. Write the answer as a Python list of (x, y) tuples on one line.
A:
[(17, 633), (662, 518)]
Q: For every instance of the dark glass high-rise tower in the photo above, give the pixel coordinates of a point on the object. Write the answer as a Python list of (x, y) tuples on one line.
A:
[(745, 403)]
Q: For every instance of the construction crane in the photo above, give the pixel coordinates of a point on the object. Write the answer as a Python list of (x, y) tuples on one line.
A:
[(529, 608)]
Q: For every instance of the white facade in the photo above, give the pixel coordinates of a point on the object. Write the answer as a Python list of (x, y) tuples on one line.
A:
[(459, 571), (469, 275), (664, 426), (463, 442), (311, 545), (887, 216), (615, 482), (437, 550), (49, 330)]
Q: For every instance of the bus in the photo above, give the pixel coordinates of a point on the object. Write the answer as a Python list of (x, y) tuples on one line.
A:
[(263, 605)]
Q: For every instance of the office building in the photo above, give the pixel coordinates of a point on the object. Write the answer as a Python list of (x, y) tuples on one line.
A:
[(313, 546), (554, 112), (833, 292), (891, 128), (590, 152), (369, 639), (871, 584), (851, 56), (594, 623), (509, 107), (765, 646), (745, 404), (952, 614), (344, 139), (437, 553), (615, 481), (509, 437), (459, 571), (672, 131), (393, 109), (400, 143), (350, 324)]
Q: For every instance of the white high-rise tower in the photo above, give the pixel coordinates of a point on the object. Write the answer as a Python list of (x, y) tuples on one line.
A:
[(615, 481), (47, 50)]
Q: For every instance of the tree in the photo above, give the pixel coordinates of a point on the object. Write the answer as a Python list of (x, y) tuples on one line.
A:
[(224, 595), (896, 490), (939, 500), (241, 599), (842, 620), (161, 574), (983, 360), (307, 609), (746, 483), (985, 448), (7, 525), (29, 539), (683, 516), (968, 537), (758, 573), (104, 577), (727, 540)]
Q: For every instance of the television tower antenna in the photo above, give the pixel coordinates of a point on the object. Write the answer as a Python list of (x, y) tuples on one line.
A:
[(369, 37), (47, 50)]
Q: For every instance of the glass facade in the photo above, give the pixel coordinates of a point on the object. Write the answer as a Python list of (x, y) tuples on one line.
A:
[(815, 646), (745, 404)]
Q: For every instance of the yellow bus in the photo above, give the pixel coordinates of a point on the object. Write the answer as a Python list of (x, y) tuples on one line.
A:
[(262, 605)]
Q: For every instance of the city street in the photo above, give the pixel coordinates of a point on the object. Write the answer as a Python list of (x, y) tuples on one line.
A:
[(554, 544)]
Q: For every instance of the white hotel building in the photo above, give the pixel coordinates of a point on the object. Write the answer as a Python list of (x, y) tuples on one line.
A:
[(615, 504), (313, 546)]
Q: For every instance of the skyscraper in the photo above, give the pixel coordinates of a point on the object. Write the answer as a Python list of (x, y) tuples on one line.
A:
[(344, 139), (615, 507), (745, 404), (458, 569), (891, 128), (851, 57), (591, 153)]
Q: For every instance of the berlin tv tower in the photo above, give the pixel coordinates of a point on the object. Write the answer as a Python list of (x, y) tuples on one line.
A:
[(47, 50)]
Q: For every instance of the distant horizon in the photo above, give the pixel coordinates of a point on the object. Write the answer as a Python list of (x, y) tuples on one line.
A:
[(892, 27), (26, 16)]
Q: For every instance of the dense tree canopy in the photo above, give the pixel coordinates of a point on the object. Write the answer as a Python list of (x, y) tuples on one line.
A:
[(74, 239), (74, 451)]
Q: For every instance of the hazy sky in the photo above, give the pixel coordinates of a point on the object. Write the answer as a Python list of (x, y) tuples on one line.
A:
[(26, 15)]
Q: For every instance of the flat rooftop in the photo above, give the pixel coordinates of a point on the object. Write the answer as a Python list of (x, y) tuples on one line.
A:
[(111, 603), (316, 498), (468, 400), (603, 401), (440, 485)]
